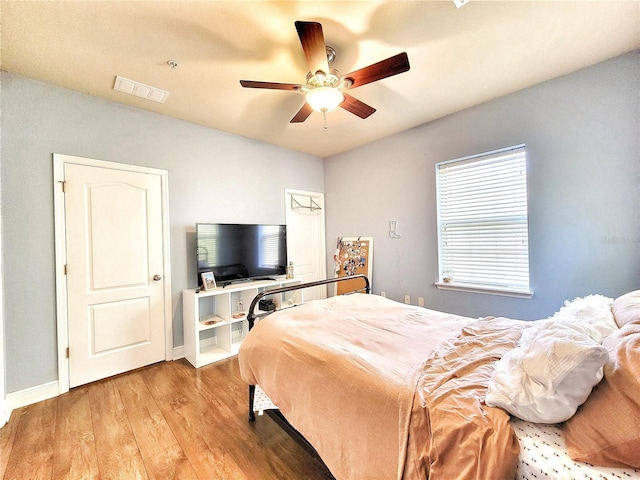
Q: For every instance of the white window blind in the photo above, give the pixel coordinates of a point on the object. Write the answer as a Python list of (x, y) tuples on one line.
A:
[(269, 245), (207, 249), (482, 220)]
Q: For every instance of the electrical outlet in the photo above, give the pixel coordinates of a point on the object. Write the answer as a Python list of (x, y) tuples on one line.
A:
[(407, 299), (383, 294), (421, 301)]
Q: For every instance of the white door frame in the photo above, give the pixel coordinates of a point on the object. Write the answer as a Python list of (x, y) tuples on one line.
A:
[(59, 161), (4, 407)]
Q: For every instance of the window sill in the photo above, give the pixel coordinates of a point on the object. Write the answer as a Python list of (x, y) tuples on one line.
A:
[(461, 287)]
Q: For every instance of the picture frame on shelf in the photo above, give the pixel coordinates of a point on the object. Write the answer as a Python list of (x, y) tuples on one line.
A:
[(208, 281)]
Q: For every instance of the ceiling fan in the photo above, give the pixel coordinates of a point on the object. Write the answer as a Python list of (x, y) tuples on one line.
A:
[(324, 88)]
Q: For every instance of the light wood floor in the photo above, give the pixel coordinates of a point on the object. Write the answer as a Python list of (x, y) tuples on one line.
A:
[(165, 421)]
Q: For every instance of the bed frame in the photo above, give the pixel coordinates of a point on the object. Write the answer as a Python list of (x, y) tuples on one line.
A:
[(253, 316)]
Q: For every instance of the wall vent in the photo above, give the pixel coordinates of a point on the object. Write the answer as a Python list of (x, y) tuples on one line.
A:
[(139, 89)]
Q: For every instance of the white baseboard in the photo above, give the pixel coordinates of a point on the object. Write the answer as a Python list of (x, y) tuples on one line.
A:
[(178, 352), (25, 397), (5, 412)]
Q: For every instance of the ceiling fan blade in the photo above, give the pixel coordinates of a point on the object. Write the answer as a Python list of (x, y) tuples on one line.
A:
[(355, 106), (270, 85), (302, 114), (377, 71), (312, 40)]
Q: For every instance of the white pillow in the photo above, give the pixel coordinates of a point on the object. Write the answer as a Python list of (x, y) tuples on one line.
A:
[(592, 310), (548, 375)]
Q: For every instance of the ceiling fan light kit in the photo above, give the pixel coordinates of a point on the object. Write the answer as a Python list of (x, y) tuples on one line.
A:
[(324, 86), (323, 91), (324, 99)]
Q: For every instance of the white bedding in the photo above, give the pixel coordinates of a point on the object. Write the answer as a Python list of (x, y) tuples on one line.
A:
[(262, 402), (543, 456)]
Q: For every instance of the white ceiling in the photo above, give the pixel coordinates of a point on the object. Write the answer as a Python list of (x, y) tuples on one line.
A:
[(459, 57)]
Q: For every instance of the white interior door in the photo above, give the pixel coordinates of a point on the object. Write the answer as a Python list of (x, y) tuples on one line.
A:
[(115, 271), (306, 238)]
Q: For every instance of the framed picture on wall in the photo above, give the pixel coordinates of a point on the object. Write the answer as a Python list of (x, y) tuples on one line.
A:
[(208, 281)]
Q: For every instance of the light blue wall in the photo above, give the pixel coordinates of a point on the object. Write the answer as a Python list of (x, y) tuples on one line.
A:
[(213, 176), (582, 133)]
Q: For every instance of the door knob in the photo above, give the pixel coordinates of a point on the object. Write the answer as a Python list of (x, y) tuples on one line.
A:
[(157, 278)]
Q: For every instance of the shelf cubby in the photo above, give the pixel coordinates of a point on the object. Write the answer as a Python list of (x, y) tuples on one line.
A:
[(215, 321)]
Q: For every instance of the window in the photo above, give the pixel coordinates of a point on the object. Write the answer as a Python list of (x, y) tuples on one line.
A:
[(482, 223), (269, 245), (207, 244)]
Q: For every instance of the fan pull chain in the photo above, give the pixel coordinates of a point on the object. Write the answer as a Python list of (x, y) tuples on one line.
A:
[(324, 114)]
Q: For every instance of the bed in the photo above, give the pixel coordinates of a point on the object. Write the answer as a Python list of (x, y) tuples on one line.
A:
[(383, 390)]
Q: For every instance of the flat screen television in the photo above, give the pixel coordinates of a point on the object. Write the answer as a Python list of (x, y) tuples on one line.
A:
[(237, 252)]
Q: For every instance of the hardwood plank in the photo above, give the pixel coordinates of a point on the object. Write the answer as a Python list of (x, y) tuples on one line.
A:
[(226, 420), (205, 435), (203, 420), (7, 437), (273, 454), (151, 430), (74, 447), (172, 464), (198, 441), (297, 459), (172, 384), (32, 452), (116, 447), (224, 379)]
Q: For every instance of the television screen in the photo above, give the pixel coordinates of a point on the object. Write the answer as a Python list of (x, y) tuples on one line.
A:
[(236, 252)]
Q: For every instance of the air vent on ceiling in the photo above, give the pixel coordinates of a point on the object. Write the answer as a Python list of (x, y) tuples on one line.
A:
[(140, 89)]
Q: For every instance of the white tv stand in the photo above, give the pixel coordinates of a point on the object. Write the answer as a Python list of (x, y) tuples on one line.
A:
[(215, 321)]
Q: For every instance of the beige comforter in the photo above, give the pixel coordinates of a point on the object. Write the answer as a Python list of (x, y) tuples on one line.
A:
[(384, 390)]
